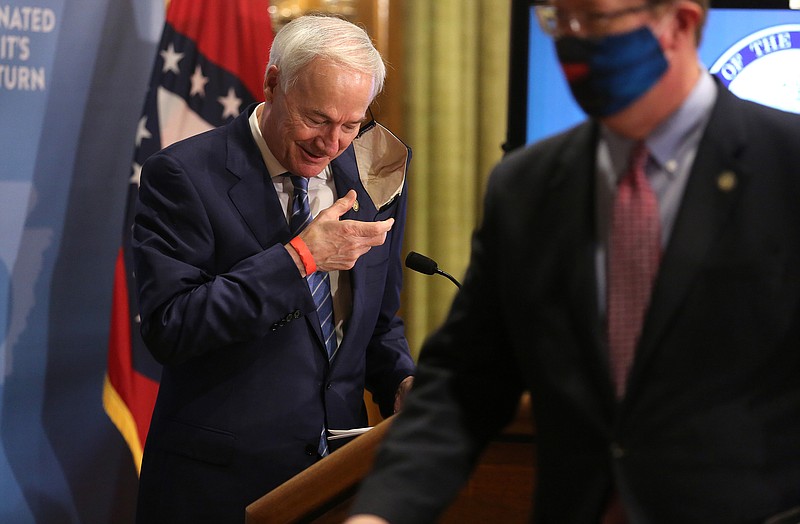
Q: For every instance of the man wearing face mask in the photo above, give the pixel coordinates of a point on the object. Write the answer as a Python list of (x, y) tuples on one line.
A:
[(639, 274)]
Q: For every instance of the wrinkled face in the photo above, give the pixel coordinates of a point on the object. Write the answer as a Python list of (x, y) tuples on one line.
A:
[(317, 119)]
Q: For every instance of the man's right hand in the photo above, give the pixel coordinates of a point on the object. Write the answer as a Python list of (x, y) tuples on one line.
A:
[(336, 244)]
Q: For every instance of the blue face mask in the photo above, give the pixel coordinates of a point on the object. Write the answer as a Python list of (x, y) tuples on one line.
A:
[(607, 74)]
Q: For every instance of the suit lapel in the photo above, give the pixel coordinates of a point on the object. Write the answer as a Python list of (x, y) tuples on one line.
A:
[(583, 284), (571, 202), (713, 188), (345, 176), (253, 193), (255, 198)]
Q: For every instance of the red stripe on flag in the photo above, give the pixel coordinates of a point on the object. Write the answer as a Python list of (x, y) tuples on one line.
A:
[(137, 392), (219, 27), (234, 35)]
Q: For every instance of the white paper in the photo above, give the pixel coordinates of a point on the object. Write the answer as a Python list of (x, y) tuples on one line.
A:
[(334, 434)]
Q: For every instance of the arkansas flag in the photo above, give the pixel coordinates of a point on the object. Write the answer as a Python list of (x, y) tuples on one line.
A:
[(209, 67)]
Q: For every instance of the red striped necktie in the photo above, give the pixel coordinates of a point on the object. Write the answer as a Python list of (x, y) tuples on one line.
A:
[(633, 258)]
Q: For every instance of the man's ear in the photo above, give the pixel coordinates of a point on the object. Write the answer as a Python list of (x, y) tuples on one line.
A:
[(270, 82), (689, 17), (679, 34)]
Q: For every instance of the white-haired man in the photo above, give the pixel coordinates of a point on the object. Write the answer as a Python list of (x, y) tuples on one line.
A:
[(269, 278)]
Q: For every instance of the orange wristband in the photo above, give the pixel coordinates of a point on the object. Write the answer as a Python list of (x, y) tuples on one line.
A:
[(305, 255)]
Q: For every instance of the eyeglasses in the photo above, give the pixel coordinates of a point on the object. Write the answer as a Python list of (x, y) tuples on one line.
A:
[(556, 22)]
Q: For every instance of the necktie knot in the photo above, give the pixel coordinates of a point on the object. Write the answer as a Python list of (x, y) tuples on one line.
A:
[(639, 155), (300, 183), (301, 209), (635, 174)]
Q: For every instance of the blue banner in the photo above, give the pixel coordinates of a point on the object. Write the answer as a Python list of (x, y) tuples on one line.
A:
[(73, 77)]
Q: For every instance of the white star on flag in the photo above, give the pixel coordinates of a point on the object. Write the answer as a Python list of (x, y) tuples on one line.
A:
[(141, 131), (171, 59), (137, 174), (182, 101), (198, 82), (231, 103)]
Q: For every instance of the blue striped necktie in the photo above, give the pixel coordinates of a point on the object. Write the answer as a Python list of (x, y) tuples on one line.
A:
[(318, 282)]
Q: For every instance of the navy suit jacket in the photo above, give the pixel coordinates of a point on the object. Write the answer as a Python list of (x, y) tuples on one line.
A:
[(246, 383), (709, 430)]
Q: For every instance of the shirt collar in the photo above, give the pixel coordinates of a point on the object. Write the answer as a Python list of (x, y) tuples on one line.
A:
[(668, 140)]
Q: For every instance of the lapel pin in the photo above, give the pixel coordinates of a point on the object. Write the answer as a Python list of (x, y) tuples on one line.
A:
[(726, 181), (355, 206)]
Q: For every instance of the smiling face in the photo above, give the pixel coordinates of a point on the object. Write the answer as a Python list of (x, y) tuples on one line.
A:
[(317, 118)]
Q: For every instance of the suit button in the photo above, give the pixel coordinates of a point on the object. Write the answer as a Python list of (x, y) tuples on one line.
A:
[(310, 450), (329, 385), (617, 451), (296, 313), (289, 318)]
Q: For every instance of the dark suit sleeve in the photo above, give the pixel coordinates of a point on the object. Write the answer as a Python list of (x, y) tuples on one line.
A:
[(465, 390), (191, 301)]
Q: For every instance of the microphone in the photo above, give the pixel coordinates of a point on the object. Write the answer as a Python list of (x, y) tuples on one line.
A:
[(427, 266)]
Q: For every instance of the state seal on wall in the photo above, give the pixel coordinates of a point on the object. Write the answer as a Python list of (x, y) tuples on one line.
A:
[(764, 67)]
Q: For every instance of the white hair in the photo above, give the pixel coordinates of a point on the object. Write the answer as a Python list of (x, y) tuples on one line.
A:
[(328, 38)]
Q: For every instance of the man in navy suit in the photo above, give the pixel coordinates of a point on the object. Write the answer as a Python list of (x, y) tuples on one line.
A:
[(678, 402), (249, 389)]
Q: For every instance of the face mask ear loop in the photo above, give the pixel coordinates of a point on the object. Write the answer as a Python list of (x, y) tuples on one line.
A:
[(368, 123)]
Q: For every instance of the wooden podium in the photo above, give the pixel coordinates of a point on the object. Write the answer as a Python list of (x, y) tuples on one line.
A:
[(499, 490)]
